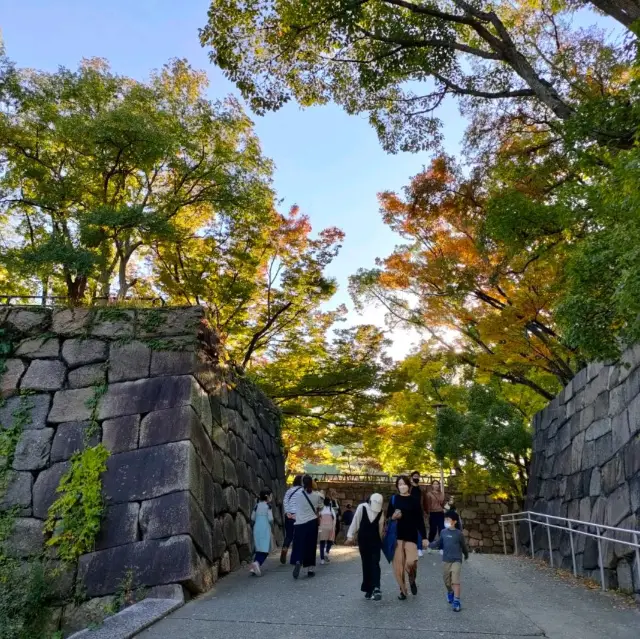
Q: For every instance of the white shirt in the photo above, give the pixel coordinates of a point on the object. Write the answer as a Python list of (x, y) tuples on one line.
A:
[(289, 504), (357, 520), (307, 506)]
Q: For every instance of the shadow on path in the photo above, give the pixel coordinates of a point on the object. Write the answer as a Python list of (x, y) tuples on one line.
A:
[(502, 597)]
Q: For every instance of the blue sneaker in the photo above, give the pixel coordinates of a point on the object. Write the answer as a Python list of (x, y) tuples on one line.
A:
[(456, 605), (450, 597)]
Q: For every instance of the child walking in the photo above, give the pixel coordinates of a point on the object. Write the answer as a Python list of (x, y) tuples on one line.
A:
[(368, 525), (262, 518), (453, 546), (327, 533)]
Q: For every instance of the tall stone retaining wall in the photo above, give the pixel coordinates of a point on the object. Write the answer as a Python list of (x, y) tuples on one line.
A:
[(480, 513), (586, 466), (191, 445)]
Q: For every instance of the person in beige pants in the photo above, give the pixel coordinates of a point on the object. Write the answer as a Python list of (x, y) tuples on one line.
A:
[(407, 513)]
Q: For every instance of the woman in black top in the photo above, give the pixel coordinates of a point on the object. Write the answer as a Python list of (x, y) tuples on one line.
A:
[(407, 512)]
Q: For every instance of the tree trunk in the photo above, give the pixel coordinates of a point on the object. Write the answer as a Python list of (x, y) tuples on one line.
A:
[(626, 12)]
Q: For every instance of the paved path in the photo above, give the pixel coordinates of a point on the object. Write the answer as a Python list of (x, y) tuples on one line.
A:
[(503, 597)]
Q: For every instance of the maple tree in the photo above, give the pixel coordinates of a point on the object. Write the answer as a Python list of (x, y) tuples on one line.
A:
[(489, 307), (329, 385)]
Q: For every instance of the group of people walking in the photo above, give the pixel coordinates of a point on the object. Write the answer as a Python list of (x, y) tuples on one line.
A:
[(313, 519)]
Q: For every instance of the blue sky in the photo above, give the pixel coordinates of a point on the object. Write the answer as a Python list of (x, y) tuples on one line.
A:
[(329, 163)]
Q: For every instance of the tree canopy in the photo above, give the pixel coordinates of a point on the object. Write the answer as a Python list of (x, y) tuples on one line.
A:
[(397, 60)]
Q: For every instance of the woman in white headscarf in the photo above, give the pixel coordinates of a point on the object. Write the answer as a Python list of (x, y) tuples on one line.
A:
[(368, 525)]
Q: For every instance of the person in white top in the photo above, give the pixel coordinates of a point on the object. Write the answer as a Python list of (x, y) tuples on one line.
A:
[(368, 525), (305, 538), (327, 530), (289, 508)]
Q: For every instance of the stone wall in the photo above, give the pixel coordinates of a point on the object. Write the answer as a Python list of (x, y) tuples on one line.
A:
[(586, 466), (191, 444), (480, 513)]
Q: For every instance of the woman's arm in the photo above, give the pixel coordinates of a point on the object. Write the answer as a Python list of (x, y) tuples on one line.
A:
[(355, 524), (390, 508)]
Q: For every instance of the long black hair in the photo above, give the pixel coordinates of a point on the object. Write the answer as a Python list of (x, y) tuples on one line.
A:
[(405, 479), (307, 483), (297, 480)]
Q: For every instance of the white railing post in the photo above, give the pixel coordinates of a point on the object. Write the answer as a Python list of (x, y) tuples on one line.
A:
[(504, 536), (635, 540), (515, 544), (573, 552), (604, 587), (549, 539), (533, 553)]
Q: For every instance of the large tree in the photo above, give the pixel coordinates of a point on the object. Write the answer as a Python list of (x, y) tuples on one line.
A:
[(98, 168), (398, 59), (492, 309)]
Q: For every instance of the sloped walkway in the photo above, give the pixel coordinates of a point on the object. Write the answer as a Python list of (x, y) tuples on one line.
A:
[(503, 597)]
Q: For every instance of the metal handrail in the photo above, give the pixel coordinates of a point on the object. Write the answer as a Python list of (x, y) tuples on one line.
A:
[(571, 526), (370, 478)]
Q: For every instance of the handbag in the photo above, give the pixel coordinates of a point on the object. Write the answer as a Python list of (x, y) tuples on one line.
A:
[(390, 537)]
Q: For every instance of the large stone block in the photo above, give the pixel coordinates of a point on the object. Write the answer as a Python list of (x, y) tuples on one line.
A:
[(634, 492), (634, 415), (221, 439), (80, 352), (26, 538), (245, 502), (17, 493), (119, 526), (243, 533), (217, 469), (121, 434), (146, 473), (39, 348), (595, 483), (44, 375), (10, 378), (153, 562), (177, 424), (620, 433), (45, 487), (32, 450), (29, 320), (612, 475), (598, 429), (71, 438), (604, 449), (618, 506), (230, 500), (218, 541), (129, 361), (146, 395), (91, 613), (230, 474), (71, 405), (229, 529), (71, 321), (632, 457), (89, 375), (176, 514), (177, 356), (113, 323), (35, 408), (170, 321)]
